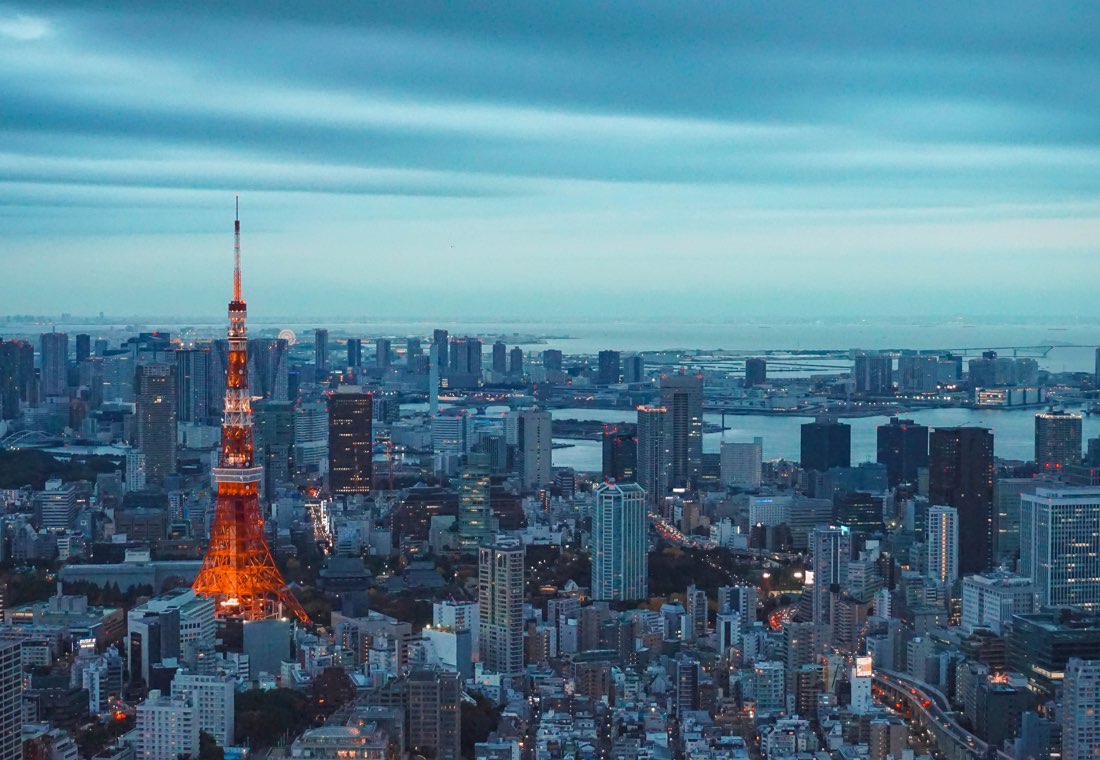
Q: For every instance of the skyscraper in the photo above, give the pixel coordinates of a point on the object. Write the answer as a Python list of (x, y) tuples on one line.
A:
[(515, 362), (275, 441), (620, 452), (903, 448), (551, 360), (620, 547), (320, 352), (873, 374), (83, 347), (740, 464), (1081, 710), (1057, 440), (756, 371), (500, 358), (653, 452), (943, 544), (500, 603), (16, 376), (155, 394), (383, 353), (55, 361), (960, 475), (193, 386), (633, 369), (475, 514), (682, 397), (1059, 538), (11, 700), (441, 343), (534, 446), (832, 551), (269, 369), (609, 368), (355, 353), (826, 443), (350, 444)]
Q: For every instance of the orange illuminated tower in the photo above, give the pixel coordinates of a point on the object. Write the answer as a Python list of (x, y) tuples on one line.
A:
[(238, 570)]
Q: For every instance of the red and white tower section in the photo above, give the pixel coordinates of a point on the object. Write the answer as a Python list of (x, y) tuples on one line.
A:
[(238, 569)]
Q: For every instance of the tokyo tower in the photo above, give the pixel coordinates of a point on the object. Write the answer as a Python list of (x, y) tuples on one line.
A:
[(238, 570)]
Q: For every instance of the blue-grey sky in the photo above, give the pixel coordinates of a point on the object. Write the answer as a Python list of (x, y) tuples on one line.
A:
[(627, 159)]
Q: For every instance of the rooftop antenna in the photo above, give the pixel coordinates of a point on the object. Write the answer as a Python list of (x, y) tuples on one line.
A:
[(237, 250)]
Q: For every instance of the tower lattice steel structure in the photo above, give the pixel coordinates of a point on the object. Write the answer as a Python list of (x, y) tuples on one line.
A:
[(238, 570)]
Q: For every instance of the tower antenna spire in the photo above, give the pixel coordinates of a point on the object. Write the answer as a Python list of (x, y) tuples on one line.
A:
[(237, 250)]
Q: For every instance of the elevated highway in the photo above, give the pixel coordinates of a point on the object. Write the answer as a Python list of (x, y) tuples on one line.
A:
[(930, 710)]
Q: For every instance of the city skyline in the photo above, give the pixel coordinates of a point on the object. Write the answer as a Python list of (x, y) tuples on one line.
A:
[(454, 156)]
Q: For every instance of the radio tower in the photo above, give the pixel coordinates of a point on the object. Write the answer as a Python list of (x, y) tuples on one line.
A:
[(238, 570)]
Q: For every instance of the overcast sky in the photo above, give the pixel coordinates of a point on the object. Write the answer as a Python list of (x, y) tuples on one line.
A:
[(478, 160)]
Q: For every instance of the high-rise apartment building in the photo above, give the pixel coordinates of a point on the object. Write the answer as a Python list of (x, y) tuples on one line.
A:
[(534, 446), (903, 448), (620, 545), (826, 443), (1057, 440), (942, 538), (873, 374), (11, 700), (740, 464), (633, 369), (434, 712), (214, 698), (515, 362), (167, 727), (500, 604), (832, 551), (155, 394), (1081, 710), (918, 374), (682, 397), (609, 368), (960, 475), (1059, 535), (350, 441), (320, 352), (653, 451), (55, 363), (475, 514), (620, 453)]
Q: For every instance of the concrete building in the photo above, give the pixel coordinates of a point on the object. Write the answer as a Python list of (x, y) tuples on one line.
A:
[(155, 397), (1058, 537), (1057, 440), (350, 440), (213, 697), (531, 432), (989, 600), (434, 702), (942, 538), (1081, 710), (620, 546), (741, 463), (500, 603), (682, 397), (11, 700), (167, 727), (960, 467), (171, 625), (832, 551), (653, 452)]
